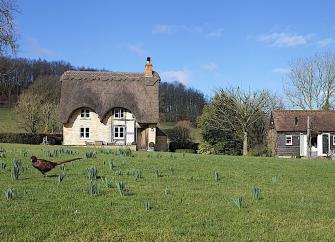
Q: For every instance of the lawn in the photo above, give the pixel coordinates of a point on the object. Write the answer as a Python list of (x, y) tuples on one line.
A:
[(187, 203), (8, 123)]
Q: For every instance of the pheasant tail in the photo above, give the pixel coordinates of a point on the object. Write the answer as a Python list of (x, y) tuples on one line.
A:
[(66, 161)]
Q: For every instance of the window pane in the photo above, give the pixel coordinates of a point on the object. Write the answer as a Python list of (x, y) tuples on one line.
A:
[(87, 113), (82, 114), (121, 113)]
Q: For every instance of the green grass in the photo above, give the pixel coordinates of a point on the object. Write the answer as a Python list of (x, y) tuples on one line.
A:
[(8, 122), (184, 203)]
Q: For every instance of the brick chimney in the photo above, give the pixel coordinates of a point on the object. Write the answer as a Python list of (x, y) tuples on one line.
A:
[(148, 68)]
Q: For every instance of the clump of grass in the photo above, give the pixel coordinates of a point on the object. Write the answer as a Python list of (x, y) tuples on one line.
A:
[(92, 173), (62, 167), (256, 192), (2, 153), (147, 205), (111, 164), (216, 176), (126, 152), (118, 173), (167, 190), (121, 186), (61, 178), (137, 174), (158, 173), (91, 154), (172, 169), (108, 183), (10, 194), (2, 165), (15, 173), (24, 152), (93, 189), (238, 201)]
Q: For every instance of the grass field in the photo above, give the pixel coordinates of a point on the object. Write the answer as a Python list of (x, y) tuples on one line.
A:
[(8, 121), (187, 203)]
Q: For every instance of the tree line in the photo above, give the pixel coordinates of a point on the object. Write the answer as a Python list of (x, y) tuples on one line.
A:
[(178, 102)]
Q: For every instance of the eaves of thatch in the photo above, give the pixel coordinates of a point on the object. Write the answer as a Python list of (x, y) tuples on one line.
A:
[(103, 91)]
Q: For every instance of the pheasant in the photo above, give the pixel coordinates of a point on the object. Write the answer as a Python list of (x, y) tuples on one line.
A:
[(45, 165)]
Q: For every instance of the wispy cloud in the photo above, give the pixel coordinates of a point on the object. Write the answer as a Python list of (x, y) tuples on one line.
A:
[(281, 70), (37, 49), (283, 39), (137, 49), (183, 76), (215, 33), (324, 42), (204, 30), (211, 67), (163, 29)]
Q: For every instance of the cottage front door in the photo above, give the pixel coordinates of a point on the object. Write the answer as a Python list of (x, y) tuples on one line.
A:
[(325, 144)]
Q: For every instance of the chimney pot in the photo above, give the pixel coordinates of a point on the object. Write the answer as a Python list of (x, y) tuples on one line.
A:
[(148, 68)]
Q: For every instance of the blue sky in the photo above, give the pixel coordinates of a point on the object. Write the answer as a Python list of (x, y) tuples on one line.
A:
[(203, 44)]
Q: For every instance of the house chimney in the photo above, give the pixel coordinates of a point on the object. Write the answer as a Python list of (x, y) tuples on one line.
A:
[(148, 68)]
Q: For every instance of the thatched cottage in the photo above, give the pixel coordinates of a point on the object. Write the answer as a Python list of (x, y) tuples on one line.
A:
[(290, 131), (110, 108)]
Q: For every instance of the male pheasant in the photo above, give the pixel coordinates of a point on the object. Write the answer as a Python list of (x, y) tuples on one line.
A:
[(45, 165)]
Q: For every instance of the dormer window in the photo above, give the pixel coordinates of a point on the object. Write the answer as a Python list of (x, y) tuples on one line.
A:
[(85, 113), (119, 113)]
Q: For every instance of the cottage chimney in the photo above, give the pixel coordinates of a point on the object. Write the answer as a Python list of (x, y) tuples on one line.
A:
[(148, 68)]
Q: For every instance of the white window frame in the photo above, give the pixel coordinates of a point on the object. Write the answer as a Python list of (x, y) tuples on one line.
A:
[(119, 113), (85, 113), (84, 133), (289, 137), (333, 139), (117, 132)]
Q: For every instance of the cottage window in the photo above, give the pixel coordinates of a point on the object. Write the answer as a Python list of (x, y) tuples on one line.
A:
[(119, 132), (333, 139), (85, 113), (118, 113), (289, 139), (84, 133)]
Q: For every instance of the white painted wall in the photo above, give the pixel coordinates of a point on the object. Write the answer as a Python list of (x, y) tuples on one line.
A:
[(99, 131)]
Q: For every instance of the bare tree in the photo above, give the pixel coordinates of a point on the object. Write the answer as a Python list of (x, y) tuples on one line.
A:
[(238, 111), (311, 82), (7, 26)]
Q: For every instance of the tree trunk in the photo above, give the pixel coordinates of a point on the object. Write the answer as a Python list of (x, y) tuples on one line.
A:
[(245, 143)]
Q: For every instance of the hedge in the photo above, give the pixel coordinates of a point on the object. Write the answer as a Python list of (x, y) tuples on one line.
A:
[(173, 146), (34, 139)]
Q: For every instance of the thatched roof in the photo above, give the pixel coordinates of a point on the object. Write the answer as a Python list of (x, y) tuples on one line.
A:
[(296, 120), (103, 91)]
